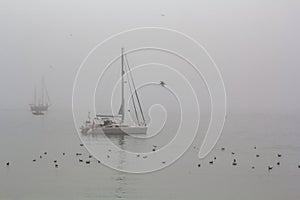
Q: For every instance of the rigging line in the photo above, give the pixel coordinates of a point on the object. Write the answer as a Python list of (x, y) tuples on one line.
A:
[(133, 100), (136, 94), (48, 98), (122, 87), (47, 94), (35, 99), (43, 90)]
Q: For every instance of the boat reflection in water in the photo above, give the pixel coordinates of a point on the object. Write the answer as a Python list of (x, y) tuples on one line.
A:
[(120, 188)]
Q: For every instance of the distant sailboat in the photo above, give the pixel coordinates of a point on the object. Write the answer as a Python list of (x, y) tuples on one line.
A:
[(40, 103), (114, 124)]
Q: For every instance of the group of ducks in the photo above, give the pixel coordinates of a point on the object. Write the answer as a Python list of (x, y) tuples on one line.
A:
[(234, 163), (81, 160), (211, 162), (54, 161), (87, 161)]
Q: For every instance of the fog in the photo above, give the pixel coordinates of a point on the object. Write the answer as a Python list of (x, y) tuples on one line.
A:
[(255, 44)]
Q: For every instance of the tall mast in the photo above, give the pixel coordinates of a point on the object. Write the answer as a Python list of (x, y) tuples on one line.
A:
[(34, 96), (43, 92), (122, 85)]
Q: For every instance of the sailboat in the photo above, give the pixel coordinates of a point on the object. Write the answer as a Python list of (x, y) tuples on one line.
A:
[(42, 103), (115, 124)]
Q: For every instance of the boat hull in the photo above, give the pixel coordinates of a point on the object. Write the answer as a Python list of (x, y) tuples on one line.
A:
[(126, 130), (37, 113), (38, 108)]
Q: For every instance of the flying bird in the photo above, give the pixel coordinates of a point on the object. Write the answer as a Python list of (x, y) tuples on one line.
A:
[(162, 83)]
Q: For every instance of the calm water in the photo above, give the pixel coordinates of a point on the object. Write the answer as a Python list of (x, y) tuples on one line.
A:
[(25, 137)]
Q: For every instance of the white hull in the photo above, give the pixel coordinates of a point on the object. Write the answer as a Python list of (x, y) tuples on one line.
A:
[(118, 130)]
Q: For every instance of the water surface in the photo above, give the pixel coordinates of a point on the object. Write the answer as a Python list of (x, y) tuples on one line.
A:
[(25, 137)]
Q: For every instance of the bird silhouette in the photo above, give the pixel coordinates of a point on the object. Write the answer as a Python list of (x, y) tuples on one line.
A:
[(162, 83)]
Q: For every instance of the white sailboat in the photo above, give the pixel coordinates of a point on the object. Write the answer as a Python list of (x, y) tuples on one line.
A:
[(115, 124), (42, 103)]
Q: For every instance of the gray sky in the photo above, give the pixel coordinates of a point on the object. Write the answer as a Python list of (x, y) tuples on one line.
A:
[(255, 44)]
